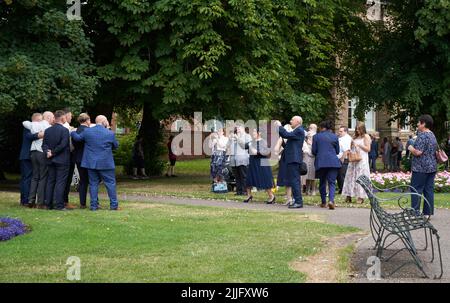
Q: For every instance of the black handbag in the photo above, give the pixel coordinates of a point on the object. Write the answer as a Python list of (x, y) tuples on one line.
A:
[(303, 169)]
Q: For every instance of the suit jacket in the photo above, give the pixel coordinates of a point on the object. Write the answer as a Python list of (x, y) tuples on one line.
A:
[(98, 145), (293, 149), (56, 139), (27, 139), (373, 149), (325, 148), (78, 146)]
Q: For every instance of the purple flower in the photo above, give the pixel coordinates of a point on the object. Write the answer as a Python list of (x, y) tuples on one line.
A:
[(10, 228)]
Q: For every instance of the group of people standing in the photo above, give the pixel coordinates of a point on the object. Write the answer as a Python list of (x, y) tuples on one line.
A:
[(392, 151), (52, 148), (321, 154), (316, 153)]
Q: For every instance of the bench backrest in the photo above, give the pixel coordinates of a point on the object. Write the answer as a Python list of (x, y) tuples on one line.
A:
[(381, 214)]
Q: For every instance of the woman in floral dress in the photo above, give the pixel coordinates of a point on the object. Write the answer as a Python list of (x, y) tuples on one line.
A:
[(308, 158), (219, 145), (361, 143)]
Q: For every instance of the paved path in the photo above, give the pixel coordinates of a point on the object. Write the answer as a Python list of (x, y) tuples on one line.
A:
[(355, 217)]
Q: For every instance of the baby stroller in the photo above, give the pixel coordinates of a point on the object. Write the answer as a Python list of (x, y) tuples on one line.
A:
[(228, 174), (229, 181)]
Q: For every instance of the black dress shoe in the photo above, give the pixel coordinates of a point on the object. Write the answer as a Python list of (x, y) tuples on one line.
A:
[(271, 201), (249, 199), (295, 205)]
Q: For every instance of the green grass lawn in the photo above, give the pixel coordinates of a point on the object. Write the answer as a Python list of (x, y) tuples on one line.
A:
[(147, 242)]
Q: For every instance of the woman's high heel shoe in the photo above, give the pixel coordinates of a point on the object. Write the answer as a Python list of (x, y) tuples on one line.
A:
[(248, 199), (271, 201)]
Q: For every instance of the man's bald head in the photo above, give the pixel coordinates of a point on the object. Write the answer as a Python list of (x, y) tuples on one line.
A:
[(49, 117), (296, 121), (102, 120)]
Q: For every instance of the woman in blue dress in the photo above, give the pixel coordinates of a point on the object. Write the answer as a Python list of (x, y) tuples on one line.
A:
[(259, 169)]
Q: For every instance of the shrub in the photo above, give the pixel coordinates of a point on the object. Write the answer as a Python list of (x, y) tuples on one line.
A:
[(124, 154)]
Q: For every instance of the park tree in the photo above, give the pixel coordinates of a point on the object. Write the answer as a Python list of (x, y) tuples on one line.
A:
[(45, 64), (404, 67), (233, 59)]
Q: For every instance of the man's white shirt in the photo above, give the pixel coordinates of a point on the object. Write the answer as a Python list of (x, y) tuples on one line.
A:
[(70, 128), (36, 127), (345, 144)]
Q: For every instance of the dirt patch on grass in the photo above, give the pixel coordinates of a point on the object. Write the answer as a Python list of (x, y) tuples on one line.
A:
[(323, 267), (143, 205), (315, 217)]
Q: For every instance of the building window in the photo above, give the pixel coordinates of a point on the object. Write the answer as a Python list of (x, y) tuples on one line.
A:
[(376, 10), (351, 110), (370, 117), (405, 127)]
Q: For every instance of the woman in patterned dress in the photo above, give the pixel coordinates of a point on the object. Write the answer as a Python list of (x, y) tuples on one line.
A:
[(219, 144), (309, 158), (424, 165), (282, 166), (361, 144)]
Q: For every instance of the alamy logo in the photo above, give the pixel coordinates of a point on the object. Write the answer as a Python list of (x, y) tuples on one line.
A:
[(74, 11), (374, 271), (74, 271)]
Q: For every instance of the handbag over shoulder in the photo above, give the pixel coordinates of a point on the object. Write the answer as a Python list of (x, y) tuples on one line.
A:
[(441, 156)]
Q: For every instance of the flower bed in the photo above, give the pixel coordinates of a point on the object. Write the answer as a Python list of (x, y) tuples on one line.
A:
[(10, 228), (388, 180)]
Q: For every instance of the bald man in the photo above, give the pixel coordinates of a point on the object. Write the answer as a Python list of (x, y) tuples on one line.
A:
[(38, 161), (294, 157), (99, 143)]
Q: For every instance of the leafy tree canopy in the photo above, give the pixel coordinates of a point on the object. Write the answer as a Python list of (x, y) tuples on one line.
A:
[(45, 60), (241, 58), (405, 65)]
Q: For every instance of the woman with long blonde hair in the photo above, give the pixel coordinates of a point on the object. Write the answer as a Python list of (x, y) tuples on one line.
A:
[(360, 144)]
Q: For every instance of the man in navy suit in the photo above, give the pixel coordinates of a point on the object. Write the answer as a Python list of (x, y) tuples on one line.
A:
[(325, 148), (99, 142), (56, 148), (26, 168), (78, 152), (294, 157)]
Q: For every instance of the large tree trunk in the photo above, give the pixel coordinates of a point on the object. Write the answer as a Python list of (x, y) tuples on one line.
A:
[(151, 132)]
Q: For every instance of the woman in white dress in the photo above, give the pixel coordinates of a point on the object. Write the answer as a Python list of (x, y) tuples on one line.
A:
[(361, 144), (308, 158)]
